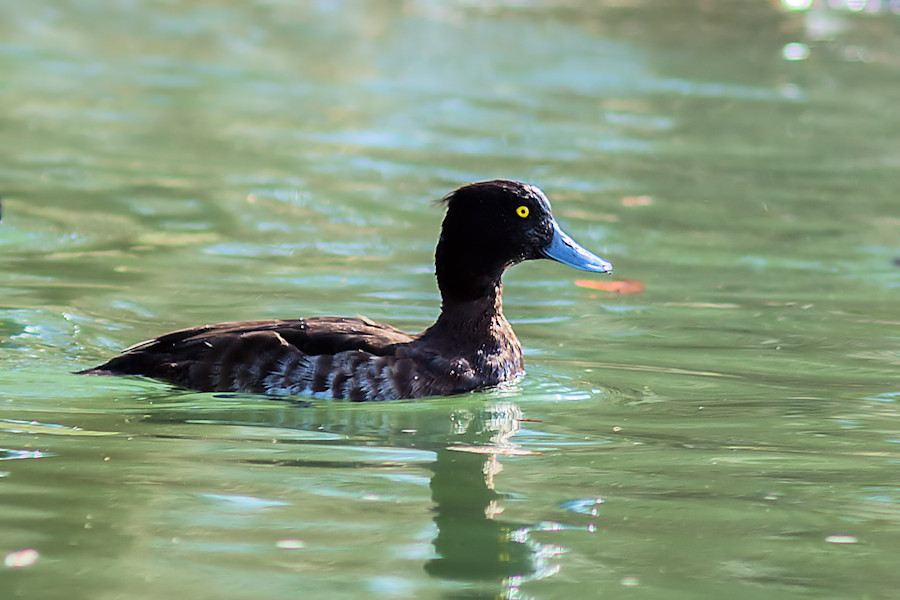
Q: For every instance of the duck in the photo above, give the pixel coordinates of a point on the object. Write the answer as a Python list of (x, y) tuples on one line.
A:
[(488, 227)]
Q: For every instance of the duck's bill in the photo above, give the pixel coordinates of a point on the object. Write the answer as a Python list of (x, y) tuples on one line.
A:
[(564, 249)]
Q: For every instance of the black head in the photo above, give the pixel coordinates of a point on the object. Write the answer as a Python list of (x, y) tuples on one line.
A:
[(493, 225)]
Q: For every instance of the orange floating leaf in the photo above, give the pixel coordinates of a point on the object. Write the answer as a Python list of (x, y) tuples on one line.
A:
[(637, 201), (622, 286)]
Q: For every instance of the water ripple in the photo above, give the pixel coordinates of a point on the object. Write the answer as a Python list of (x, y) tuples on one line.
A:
[(11, 454)]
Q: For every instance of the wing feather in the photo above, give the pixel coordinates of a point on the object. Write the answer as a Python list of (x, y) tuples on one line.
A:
[(239, 355)]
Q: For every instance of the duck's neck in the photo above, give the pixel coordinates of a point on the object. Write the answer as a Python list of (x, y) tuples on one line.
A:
[(471, 296), (473, 314), (477, 323)]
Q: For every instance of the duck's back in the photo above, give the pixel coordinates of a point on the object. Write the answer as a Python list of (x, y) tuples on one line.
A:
[(337, 357)]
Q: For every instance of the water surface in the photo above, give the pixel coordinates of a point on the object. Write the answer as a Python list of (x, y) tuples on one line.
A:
[(732, 431)]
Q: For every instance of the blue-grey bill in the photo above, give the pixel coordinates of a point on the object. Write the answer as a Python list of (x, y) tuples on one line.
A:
[(564, 249)]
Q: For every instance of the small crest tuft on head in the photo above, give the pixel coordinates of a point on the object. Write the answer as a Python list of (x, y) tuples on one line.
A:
[(515, 188)]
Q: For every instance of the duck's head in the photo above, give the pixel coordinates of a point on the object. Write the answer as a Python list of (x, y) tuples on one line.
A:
[(492, 225)]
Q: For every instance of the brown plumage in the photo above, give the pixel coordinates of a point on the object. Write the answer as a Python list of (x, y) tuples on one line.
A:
[(489, 226)]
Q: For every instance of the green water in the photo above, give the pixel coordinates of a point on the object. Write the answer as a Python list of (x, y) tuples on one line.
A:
[(731, 432)]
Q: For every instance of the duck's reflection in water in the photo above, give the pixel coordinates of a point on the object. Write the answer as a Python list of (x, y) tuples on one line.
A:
[(473, 542), (474, 545)]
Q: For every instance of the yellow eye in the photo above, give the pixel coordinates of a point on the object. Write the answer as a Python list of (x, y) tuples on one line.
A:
[(522, 211)]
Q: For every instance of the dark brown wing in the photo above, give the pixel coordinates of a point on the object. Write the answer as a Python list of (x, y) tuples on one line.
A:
[(241, 356)]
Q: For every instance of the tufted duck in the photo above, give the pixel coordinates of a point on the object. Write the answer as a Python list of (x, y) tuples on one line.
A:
[(489, 226)]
